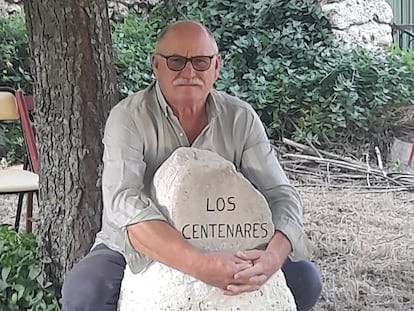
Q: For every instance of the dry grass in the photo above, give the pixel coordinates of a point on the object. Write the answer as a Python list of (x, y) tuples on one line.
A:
[(364, 247)]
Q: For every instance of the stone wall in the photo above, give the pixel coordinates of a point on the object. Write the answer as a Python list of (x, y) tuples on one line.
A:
[(117, 9), (11, 6), (362, 22)]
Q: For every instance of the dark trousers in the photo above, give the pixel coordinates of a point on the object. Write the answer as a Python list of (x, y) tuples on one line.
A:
[(94, 283)]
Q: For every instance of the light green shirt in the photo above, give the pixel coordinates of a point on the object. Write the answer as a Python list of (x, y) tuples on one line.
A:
[(142, 132)]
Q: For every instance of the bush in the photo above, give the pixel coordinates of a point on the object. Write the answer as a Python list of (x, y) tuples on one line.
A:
[(11, 142), (14, 72), (23, 284), (133, 42), (279, 56), (14, 60)]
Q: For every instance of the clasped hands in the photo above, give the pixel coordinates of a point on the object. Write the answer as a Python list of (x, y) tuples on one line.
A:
[(245, 271)]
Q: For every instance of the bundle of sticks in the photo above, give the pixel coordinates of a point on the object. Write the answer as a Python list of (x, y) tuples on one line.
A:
[(311, 166)]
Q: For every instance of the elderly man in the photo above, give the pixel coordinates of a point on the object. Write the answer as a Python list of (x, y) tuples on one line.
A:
[(181, 108)]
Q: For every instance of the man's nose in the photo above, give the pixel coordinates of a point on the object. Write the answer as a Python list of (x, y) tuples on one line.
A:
[(188, 71)]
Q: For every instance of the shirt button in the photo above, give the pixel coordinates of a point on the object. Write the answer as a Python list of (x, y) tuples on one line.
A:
[(181, 134)]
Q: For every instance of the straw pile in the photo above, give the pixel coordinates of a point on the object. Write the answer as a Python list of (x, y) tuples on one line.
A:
[(364, 247), (360, 219)]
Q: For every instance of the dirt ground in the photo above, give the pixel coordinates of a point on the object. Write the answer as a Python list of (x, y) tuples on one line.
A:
[(364, 247)]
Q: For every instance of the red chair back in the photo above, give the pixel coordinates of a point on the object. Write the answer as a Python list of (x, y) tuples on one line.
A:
[(23, 102)]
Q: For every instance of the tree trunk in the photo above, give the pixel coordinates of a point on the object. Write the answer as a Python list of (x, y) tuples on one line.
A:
[(74, 89)]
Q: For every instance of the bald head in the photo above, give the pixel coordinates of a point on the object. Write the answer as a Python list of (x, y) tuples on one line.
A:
[(186, 28), (182, 49)]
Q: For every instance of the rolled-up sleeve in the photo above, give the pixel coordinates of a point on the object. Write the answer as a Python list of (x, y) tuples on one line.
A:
[(125, 202), (260, 165)]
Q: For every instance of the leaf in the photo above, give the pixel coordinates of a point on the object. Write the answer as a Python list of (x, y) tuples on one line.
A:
[(13, 299), (5, 271), (40, 279), (20, 290), (34, 271)]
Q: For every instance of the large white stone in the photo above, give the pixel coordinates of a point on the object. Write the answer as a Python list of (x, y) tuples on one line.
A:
[(369, 35), (10, 7), (217, 209), (360, 22), (161, 288), (345, 13), (400, 155), (224, 210)]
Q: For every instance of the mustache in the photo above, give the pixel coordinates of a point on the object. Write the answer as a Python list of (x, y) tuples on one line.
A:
[(183, 81)]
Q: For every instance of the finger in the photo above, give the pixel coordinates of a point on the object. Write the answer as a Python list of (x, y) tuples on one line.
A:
[(242, 266), (258, 279), (253, 254), (255, 270), (241, 260), (234, 289)]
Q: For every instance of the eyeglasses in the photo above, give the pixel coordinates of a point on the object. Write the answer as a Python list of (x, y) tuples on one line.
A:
[(177, 62)]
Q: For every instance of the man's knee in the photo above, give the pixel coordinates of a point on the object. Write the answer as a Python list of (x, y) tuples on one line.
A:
[(81, 291), (312, 281), (94, 282), (304, 280)]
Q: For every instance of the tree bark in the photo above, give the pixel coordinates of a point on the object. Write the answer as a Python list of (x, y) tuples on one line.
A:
[(74, 89)]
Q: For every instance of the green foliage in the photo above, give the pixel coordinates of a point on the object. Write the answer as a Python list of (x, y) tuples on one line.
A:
[(23, 284), (11, 142), (133, 43), (344, 98), (132, 48), (279, 56), (14, 60), (14, 72)]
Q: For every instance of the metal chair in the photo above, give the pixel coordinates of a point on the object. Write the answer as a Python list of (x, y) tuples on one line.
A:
[(14, 107)]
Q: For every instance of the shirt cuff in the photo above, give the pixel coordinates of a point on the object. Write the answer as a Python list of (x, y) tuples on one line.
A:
[(136, 261), (301, 245)]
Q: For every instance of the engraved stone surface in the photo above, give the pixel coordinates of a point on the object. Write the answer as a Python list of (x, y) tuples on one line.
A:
[(210, 203), (215, 208)]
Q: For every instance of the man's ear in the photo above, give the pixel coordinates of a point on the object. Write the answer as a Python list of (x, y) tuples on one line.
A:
[(217, 66), (154, 63)]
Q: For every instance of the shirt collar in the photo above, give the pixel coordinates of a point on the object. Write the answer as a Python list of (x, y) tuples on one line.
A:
[(166, 110)]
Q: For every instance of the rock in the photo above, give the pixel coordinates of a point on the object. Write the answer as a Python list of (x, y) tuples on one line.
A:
[(357, 12), (400, 155), (117, 9), (10, 7), (369, 35), (218, 195), (360, 22), (161, 288), (365, 23), (216, 209)]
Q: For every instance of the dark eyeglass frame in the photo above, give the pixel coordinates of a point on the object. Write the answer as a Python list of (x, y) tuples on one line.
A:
[(187, 59)]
